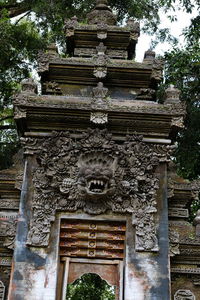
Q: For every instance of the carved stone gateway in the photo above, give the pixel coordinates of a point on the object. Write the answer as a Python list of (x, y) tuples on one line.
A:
[(91, 194)]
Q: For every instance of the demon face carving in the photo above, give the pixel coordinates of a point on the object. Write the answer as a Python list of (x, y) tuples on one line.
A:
[(96, 175)]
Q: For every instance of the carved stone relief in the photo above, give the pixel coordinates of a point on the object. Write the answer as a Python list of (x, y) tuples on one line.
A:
[(95, 173), (100, 61), (102, 31), (70, 26), (178, 122), (2, 290), (173, 242), (101, 14), (52, 87), (8, 230), (99, 100), (157, 71), (184, 295), (99, 117)]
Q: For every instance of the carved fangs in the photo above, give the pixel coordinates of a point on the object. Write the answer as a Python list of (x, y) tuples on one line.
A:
[(96, 186)]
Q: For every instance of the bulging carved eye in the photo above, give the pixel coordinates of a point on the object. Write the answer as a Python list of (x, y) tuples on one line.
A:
[(87, 171), (107, 172)]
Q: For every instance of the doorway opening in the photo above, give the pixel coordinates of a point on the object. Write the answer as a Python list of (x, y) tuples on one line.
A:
[(90, 286), (91, 252)]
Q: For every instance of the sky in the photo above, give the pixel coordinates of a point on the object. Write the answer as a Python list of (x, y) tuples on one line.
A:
[(183, 20)]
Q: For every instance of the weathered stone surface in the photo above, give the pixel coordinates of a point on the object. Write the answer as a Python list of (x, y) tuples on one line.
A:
[(70, 181)]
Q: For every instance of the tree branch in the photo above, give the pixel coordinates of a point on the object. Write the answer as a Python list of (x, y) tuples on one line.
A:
[(5, 127), (6, 118), (16, 9), (26, 14)]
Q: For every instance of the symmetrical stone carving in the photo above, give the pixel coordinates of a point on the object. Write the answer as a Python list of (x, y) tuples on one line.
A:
[(102, 31), (99, 117), (95, 173), (102, 14), (99, 96), (2, 290), (184, 295), (100, 60)]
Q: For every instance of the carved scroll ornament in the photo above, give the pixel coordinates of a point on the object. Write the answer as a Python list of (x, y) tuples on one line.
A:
[(184, 295), (95, 173)]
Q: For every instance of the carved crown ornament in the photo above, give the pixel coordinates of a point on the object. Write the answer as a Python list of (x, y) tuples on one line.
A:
[(102, 14), (95, 173)]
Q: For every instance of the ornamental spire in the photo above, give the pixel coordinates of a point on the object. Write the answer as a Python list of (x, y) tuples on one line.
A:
[(102, 14)]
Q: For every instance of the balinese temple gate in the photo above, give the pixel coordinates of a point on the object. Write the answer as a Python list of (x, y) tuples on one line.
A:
[(94, 191)]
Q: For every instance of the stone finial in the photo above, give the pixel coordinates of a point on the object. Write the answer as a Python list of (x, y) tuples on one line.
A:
[(52, 49), (102, 3), (102, 14), (29, 86), (197, 223), (172, 95), (149, 56), (70, 25)]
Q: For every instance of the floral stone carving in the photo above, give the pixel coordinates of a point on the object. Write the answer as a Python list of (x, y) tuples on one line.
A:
[(184, 295), (95, 173)]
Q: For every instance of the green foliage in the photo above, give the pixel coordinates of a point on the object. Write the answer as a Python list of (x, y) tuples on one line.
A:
[(19, 47), (183, 70), (90, 287)]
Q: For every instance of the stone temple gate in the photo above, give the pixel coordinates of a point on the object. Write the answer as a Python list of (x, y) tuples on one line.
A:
[(95, 191)]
